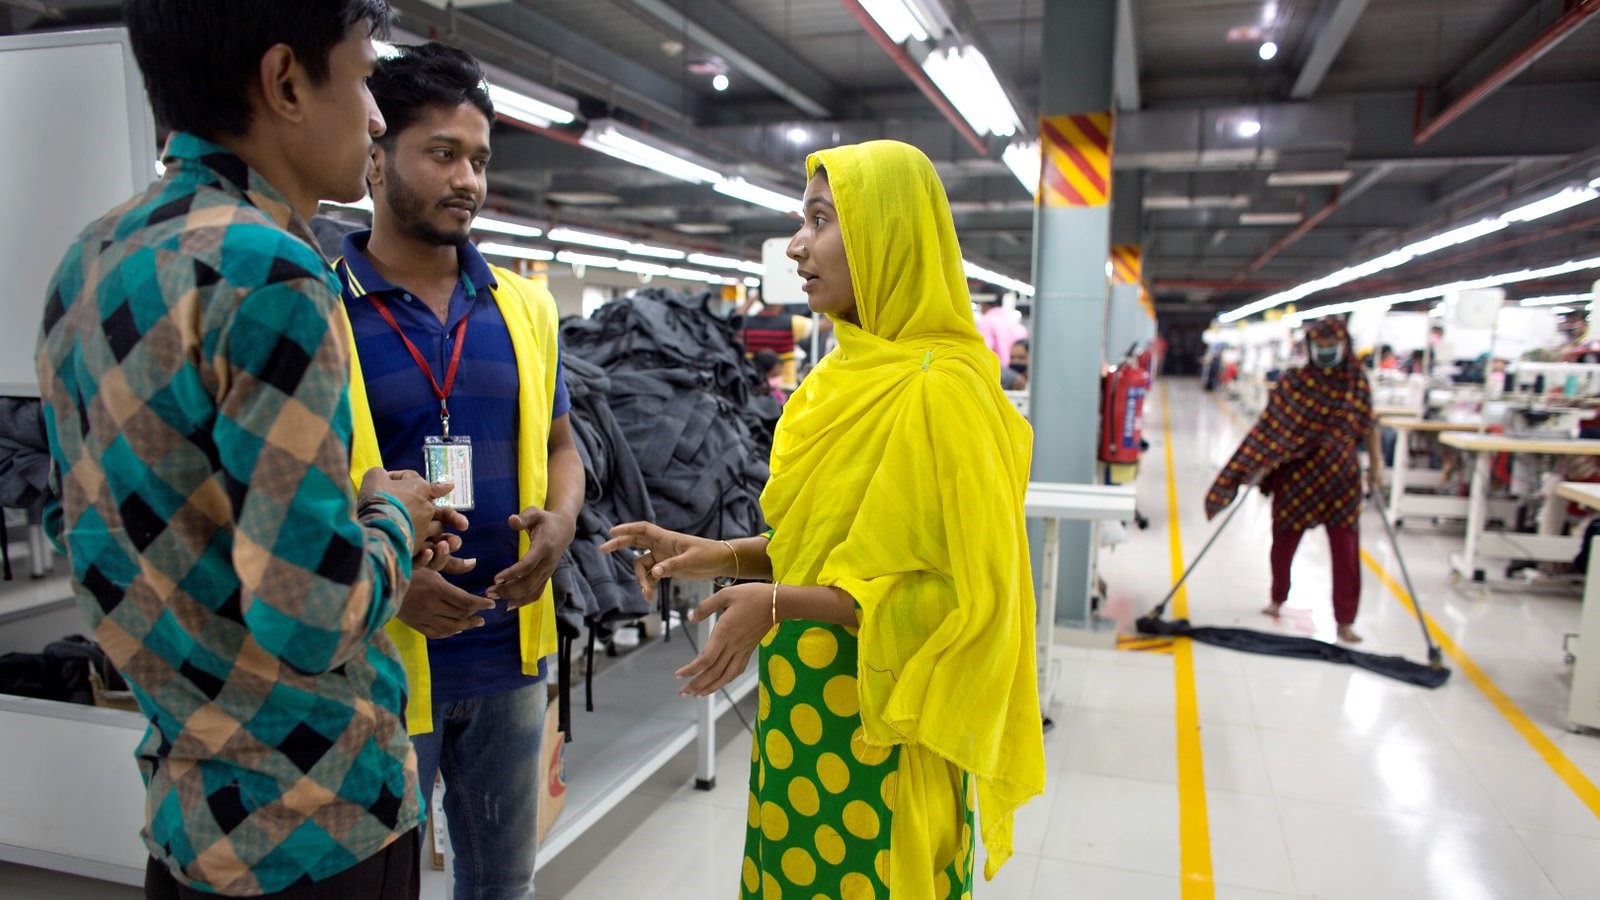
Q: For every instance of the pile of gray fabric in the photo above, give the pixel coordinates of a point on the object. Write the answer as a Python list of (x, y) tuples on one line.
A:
[(674, 426), (24, 463), (594, 587), (24, 453), (694, 410)]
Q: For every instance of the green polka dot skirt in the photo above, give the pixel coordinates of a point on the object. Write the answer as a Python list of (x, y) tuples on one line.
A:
[(821, 799)]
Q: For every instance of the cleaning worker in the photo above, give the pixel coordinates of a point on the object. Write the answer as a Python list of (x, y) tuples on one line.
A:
[(1303, 453)]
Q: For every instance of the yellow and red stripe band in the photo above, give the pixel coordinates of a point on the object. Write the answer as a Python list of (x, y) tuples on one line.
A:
[(1076, 154), (1127, 264)]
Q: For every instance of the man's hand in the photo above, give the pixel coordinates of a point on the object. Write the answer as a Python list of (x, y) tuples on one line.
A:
[(428, 521), (549, 535), (438, 608), (1375, 480), (440, 557)]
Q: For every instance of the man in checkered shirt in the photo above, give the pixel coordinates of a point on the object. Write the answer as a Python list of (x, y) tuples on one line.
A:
[(195, 371)]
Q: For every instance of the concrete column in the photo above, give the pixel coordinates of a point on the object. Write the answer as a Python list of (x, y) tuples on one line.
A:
[(1071, 247)]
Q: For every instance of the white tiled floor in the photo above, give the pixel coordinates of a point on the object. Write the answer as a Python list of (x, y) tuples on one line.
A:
[(1321, 781)]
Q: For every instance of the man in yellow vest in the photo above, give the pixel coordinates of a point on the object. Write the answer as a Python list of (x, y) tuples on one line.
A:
[(459, 376)]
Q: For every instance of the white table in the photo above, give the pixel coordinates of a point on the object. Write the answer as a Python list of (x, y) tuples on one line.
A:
[(1402, 476), (1055, 503), (1500, 545), (1583, 702)]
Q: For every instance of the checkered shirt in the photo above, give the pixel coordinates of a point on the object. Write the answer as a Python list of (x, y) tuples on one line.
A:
[(194, 381)]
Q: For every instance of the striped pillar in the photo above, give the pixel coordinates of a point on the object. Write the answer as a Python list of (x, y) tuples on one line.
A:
[(1072, 241)]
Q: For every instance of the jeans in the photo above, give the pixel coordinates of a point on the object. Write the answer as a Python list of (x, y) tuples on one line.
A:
[(488, 750)]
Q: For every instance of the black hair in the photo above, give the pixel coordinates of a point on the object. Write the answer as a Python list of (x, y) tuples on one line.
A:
[(1023, 343), (426, 75), (199, 56), (765, 360)]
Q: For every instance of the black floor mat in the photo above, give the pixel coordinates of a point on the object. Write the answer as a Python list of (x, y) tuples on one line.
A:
[(1269, 644)]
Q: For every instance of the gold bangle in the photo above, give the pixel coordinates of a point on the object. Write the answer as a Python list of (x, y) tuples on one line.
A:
[(735, 554), (774, 604)]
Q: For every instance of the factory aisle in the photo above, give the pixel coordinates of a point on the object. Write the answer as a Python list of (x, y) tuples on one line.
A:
[(1320, 781), (1302, 779)]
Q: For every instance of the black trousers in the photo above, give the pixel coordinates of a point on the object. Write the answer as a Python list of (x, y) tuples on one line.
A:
[(394, 873)]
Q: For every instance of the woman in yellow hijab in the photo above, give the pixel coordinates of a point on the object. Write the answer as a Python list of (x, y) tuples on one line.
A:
[(896, 635)]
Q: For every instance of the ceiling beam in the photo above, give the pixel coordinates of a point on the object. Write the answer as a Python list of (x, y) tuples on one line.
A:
[(1126, 84), (1522, 45), (747, 48), (909, 66), (1336, 20)]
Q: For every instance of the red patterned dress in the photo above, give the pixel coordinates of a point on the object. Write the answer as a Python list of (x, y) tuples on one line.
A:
[(1304, 448)]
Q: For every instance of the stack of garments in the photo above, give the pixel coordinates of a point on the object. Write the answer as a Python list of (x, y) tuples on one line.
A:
[(674, 426), (695, 411), (600, 588)]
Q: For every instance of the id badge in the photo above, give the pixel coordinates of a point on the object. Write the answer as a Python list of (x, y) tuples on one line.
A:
[(449, 458)]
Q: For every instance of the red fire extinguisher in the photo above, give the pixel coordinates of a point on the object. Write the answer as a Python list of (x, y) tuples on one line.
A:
[(1122, 412)]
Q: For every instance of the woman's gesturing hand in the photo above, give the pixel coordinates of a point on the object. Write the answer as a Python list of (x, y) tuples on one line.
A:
[(745, 618), (668, 554)]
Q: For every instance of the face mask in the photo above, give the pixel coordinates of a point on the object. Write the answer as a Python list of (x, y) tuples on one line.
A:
[(1327, 357), (1020, 368)]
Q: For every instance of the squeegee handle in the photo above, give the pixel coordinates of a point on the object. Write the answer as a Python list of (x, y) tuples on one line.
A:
[(1405, 574), (1237, 504)]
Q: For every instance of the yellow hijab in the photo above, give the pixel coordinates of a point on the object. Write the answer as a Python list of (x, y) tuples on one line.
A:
[(898, 474)]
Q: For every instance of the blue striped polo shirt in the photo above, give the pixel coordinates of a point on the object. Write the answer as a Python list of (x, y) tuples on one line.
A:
[(483, 405)]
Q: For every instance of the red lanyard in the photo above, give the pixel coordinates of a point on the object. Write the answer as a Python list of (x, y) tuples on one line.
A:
[(443, 393)]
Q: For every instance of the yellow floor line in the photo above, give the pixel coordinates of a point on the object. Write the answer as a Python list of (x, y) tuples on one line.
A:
[(1558, 762), (1194, 822)]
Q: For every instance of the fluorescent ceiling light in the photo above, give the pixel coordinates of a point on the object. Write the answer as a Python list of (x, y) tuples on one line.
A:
[(1369, 268), (896, 20), (643, 268), (589, 239), (695, 275), (521, 107), (727, 262), (501, 226), (719, 82), (1269, 49), (749, 192), (1454, 236), (979, 273), (1555, 299), (656, 252), (1024, 161), (1309, 178), (631, 145), (1440, 290), (1553, 204), (798, 135), (963, 75), (1249, 128), (1561, 310), (1595, 184), (1271, 218), (512, 251), (1207, 201), (752, 281), (585, 259)]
